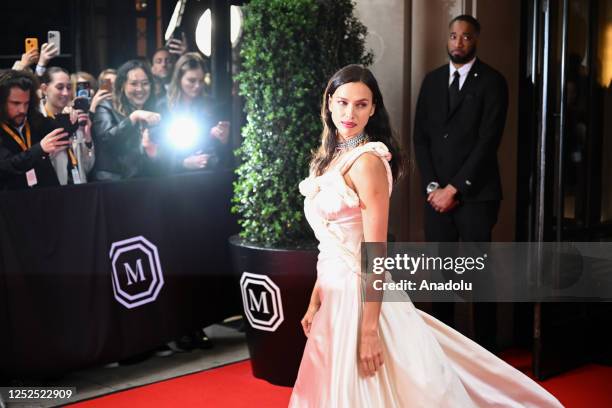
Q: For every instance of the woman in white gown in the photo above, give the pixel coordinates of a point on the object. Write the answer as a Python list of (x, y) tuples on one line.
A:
[(379, 354)]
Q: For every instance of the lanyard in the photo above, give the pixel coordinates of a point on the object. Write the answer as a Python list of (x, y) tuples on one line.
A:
[(73, 158), (49, 114), (17, 139)]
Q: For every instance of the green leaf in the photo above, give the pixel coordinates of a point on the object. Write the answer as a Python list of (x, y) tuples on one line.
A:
[(290, 48)]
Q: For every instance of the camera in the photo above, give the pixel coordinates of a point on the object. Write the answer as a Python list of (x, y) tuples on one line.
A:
[(82, 104), (82, 101)]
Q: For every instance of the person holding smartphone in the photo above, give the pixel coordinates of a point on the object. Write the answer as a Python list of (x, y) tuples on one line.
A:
[(186, 101), (123, 147), (162, 65), (74, 163), (162, 62), (40, 57), (26, 137)]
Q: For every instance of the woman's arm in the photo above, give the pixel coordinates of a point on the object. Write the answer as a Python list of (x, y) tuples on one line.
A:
[(313, 308), (85, 154), (368, 176), (107, 128)]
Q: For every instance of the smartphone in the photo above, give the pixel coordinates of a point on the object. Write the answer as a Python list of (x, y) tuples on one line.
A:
[(82, 89), (31, 44), (106, 84), (178, 35), (53, 37), (63, 120)]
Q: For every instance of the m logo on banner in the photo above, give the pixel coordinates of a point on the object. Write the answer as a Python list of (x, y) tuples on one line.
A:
[(137, 275), (262, 301)]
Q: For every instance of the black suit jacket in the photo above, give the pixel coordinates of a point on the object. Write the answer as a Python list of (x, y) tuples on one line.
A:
[(14, 162), (459, 146)]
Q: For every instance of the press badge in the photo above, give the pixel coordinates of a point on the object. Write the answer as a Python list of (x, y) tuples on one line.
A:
[(76, 177), (31, 178)]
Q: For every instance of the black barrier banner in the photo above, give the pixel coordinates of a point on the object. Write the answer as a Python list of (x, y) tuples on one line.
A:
[(99, 272), (487, 272)]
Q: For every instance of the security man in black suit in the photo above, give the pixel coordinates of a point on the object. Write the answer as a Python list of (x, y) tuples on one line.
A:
[(26, 137), (459, 121), (460, 118)]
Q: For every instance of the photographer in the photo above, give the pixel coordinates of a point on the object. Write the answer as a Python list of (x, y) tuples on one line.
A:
[(73, 164), (194, 136), (23, 149), (120, 133), (106, 82)]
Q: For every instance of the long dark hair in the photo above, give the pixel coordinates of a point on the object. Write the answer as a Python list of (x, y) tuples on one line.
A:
[(120, 101), (378, 127), (23, 80)]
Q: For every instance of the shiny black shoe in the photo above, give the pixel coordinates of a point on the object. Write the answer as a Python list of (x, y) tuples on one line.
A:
[(186, 343), (164, 351), (201, 340)]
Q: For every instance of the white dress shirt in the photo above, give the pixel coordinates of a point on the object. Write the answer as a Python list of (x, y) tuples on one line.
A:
[(463, 72)]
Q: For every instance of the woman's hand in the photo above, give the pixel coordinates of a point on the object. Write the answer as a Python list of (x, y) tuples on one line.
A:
[(176, 46), (196, 161), (77, 115), (309, 317), (221, 132), (29, 58), (47, 53), (149, 146), (98, 97), (145, 117), (370, 352), (52, 144), (84, 124)]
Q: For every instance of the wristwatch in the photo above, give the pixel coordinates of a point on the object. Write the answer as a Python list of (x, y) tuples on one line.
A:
[(431, 187)]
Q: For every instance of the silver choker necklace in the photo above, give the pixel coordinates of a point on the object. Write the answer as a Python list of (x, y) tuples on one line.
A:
[(352, 142)]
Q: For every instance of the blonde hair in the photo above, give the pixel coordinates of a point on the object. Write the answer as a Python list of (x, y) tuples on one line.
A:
[(74, 78), (104, 73), (187, 62)]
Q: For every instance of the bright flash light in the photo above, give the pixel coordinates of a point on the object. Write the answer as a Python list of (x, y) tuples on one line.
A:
[(183, 132)]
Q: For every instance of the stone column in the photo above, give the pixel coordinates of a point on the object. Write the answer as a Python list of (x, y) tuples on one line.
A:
[(388, 23)]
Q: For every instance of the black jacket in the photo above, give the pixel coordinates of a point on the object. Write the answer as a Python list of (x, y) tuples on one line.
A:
[(118, 145), (460, 147), (15, 163)]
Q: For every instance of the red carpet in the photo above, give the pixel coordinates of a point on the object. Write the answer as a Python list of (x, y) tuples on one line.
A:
[(233, 386)]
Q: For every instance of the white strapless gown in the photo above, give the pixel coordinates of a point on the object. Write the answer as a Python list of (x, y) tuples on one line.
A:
[(426, 363)]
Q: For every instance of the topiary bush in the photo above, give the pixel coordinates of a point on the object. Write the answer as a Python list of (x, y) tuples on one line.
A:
[(290, 48)]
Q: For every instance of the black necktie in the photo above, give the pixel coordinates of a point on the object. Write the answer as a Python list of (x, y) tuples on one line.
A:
[(453, 91)]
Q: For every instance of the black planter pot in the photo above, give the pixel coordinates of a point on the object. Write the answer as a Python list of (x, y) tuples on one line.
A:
[(276, 285)]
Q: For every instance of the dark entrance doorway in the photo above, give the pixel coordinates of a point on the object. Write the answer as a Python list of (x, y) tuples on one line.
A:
[(565, 160)]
